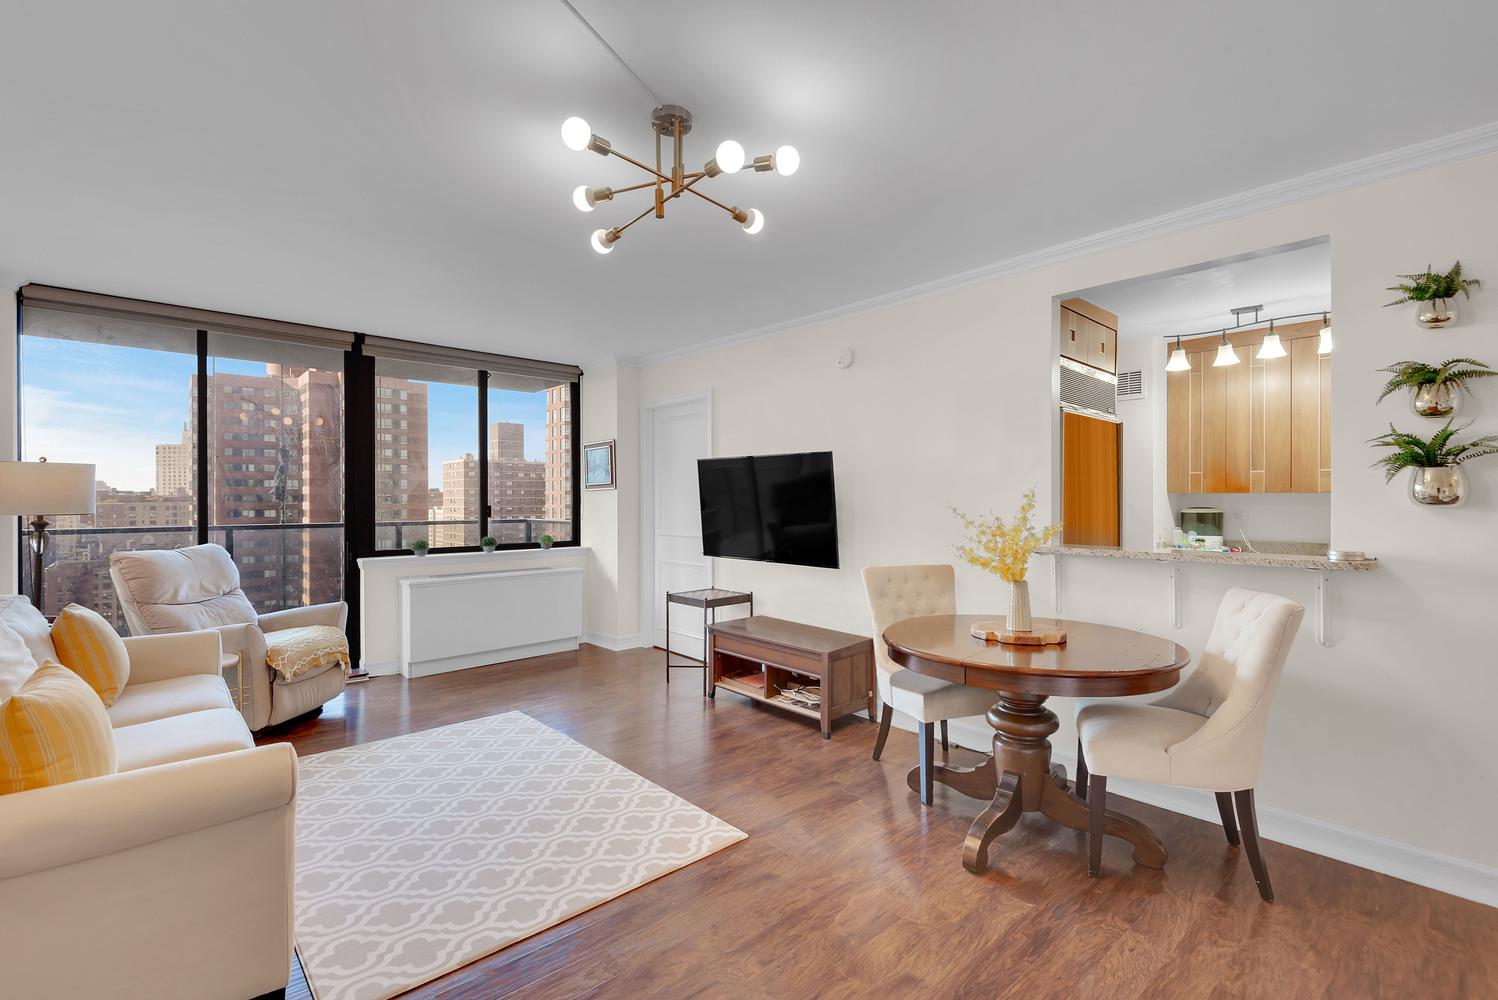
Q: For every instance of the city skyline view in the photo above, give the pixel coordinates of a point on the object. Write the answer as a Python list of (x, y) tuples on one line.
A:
[(110, 406)]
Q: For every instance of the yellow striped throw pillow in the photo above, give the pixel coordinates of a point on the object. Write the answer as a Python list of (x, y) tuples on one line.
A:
[(52, 731), (91, 648)]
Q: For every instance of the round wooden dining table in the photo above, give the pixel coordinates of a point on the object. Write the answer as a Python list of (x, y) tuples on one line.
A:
[(1096, 661)]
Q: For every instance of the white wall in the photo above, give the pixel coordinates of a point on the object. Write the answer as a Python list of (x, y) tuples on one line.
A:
[(1142, 425), (611, 518), (1266, 517), (1387, 733)]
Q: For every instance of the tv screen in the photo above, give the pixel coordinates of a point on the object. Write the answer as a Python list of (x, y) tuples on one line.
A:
[(774, 508)]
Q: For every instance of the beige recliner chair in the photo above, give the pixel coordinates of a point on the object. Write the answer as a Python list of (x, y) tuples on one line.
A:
[(180, 590)]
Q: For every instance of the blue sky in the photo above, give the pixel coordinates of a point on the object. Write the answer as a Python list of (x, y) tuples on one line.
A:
[(111, 406)]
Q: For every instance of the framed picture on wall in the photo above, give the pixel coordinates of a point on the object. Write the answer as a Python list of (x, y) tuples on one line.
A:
[(598, 466)]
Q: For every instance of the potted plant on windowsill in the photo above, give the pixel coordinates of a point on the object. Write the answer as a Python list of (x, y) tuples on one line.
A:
[(1436, 478), (488, 543), (1434, 295), (1435, 391), (547, 541), (1004, 549), (421, 546)]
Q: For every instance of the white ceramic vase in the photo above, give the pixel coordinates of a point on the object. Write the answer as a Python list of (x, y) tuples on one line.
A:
[(1019, 607)]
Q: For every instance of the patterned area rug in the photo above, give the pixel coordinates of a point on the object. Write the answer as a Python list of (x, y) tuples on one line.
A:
[(419, 854)]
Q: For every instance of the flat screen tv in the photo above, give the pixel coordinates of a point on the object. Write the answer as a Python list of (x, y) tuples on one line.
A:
[(773, 508)]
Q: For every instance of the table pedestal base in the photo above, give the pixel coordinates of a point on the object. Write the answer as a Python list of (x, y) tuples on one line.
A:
[(1019, 778)]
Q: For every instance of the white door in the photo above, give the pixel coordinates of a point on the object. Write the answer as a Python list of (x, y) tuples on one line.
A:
[(680, 433)]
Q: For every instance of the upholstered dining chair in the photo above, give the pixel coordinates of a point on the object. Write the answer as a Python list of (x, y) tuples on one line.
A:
[(197, 587), (1207, 733), (900, 592)]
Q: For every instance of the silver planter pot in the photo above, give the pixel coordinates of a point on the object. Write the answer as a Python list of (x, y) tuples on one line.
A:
[(1435, 400), (1441, 486), (1437, 314)]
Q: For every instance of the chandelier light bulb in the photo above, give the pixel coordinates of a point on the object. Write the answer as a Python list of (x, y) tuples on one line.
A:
[(1178, 361), (581, 200), (603, 240), (729, 157), (576, 134), (1271, 348), (1324, 341), (756, 221), (1225, 354), (787, 161)]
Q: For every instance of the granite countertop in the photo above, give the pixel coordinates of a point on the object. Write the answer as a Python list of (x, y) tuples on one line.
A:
[(1275, 560)]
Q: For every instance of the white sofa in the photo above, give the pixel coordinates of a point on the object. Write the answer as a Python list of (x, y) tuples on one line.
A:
[(170, 878)]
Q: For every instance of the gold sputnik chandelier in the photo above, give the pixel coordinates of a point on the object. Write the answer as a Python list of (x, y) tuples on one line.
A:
[(670, 180)]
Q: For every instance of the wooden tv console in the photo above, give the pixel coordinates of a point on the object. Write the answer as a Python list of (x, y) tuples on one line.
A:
[(756, 656)]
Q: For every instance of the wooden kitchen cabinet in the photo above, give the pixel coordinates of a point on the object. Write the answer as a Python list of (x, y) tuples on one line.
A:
[(1089, 334), (1254, 427)]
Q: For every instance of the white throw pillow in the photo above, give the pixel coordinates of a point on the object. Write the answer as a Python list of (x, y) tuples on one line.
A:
[(16, 662)]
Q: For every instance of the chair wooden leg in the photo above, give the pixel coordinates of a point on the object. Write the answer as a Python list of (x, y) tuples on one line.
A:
[(945, 744), (1097, 811), (927, 741), (1225, 810), (886, 716), (1249, 822), (1081, 782)]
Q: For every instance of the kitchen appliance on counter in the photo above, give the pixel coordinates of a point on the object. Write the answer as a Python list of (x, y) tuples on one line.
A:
[(1202, 527)]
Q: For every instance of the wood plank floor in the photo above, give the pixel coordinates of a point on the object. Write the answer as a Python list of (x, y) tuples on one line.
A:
[(847, 887)]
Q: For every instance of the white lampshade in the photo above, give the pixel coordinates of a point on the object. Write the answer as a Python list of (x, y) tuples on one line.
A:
[(1178, 361), (581, 200), (1271, 348), (1225, 356), (1324, 341), (756, 221), (576, 133), (46, 488), (787, 161), (729, 157)]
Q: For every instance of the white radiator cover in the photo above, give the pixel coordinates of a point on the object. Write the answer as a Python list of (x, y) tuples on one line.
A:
[(473, 619)]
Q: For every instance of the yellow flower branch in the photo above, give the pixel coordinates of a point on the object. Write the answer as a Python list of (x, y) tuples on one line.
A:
[(1004, 548)]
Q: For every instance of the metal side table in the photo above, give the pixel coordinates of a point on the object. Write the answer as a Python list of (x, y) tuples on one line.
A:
[(709, 600)]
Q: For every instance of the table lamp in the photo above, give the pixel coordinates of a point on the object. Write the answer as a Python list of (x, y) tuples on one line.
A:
[(54, 487)]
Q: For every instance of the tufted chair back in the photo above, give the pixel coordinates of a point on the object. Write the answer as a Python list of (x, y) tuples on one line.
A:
[(900, 592), (1233, 686)]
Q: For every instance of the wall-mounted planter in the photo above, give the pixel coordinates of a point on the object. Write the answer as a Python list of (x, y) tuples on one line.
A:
[(1437, 314), (1435, 400), (1440, 486)]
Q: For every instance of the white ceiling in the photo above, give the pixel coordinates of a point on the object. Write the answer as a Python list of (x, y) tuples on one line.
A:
[(395, 167), (1291, 281)]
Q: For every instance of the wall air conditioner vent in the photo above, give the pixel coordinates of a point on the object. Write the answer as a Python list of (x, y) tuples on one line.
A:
[(1086, 388), (1131, 384)]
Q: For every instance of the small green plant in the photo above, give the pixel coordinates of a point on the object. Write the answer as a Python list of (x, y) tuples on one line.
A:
[(1413, 374), (1411, 451), (487, 542), (1430, 285), (420, 545), (547, 541)]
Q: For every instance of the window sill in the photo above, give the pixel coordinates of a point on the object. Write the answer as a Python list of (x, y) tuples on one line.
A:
[(449, 560)]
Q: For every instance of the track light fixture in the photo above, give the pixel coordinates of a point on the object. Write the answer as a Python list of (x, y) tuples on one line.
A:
[(1272, 347), (670, 180), (1178, 361)]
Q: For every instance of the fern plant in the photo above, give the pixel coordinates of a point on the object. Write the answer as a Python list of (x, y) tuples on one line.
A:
[(1413, 374), (1411, 451), (1430, 285)]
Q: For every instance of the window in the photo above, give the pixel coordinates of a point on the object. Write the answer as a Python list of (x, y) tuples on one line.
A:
[(530, 460), (117, 394), (431, 490), (288, 517)]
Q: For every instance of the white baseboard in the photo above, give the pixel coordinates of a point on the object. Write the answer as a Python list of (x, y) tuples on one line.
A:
[(1441, 872), (380, 668), (616, 643)]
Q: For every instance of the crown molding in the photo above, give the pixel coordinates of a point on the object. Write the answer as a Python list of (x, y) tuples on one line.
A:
[(1356, 173)]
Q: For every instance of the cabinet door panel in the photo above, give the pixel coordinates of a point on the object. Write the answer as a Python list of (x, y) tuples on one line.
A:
[(1277, 425), (1089, 480), (1305, 417), (1235, 463), (1073, 336), (1178, 432), (1214, 430)]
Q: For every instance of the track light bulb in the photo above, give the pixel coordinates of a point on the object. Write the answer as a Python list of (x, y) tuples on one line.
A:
[(1225, 354), (604, 240), (576, 133), (1271, 348), (1324, 341), (581, 200), (1178, 361), (756, 221)]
